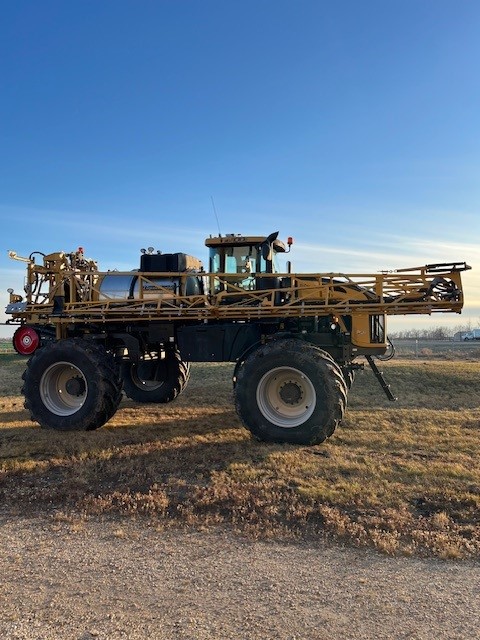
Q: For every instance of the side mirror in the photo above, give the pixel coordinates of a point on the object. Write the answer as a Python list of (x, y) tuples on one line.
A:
[(267, 252)]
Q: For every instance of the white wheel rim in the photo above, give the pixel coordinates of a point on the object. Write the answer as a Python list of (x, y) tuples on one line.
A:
[(63, 388), (286, 397)]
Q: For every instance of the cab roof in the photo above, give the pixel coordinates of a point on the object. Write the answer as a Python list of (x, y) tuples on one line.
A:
[(234, 239)]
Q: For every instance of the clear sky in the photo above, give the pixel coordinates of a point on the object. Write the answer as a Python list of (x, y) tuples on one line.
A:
[(353, 126)]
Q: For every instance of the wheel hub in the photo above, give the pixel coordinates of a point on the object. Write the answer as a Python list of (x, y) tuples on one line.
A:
[(63, 388), (291, 393), (286, 397), (75, 386)]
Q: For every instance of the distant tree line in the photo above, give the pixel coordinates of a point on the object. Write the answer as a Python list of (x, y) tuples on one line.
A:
[(431, 333)]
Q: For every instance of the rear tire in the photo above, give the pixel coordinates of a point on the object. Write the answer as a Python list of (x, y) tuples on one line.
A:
[(72, 385), (290, 391), (157, 380)]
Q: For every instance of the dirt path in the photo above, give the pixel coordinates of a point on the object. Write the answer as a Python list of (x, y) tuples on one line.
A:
[(117, 581)]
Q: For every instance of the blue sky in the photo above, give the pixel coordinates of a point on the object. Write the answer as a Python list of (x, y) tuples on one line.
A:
[(352, 126)]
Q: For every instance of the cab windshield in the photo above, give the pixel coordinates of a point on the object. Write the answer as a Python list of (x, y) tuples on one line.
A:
[(240, 259)]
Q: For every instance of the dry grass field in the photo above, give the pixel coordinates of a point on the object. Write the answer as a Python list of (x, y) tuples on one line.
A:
[(401, 477)]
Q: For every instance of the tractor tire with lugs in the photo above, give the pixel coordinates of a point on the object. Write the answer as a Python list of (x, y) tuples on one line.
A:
[(72, 385), (291, 391), (157, 379)]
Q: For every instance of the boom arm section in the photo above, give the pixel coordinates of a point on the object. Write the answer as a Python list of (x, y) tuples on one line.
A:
[(68, 288)]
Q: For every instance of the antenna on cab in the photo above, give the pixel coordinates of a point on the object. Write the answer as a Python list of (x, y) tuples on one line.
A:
[(216, 217)]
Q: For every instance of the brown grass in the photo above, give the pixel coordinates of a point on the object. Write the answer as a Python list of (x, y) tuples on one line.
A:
[(402, 477)]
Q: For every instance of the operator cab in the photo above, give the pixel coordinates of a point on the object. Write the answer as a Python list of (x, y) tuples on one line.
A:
[(247, 257)]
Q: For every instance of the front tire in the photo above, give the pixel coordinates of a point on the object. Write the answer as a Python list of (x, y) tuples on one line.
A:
[(290, 391), (72, 385), (156, 379)]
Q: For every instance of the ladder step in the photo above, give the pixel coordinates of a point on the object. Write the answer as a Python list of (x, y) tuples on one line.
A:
[(380, 378)]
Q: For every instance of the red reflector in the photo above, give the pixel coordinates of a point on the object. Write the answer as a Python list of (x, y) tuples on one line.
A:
[(25, 340)]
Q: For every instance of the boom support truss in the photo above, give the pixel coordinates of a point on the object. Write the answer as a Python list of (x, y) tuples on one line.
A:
[(58, 295)]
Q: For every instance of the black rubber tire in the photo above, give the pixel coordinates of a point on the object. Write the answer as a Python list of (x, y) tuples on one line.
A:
[(290, 391), (172, 377), (72, 385)]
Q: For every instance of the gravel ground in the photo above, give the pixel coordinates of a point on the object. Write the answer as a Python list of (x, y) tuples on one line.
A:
[(126, 580)]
